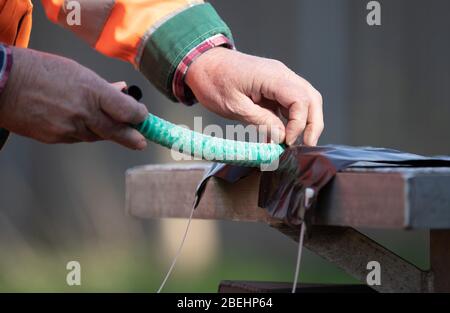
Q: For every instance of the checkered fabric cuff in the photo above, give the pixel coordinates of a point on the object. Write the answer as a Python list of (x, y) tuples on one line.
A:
[(179, 88)]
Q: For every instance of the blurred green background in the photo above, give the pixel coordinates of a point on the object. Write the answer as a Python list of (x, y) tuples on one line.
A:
[(383, 86)]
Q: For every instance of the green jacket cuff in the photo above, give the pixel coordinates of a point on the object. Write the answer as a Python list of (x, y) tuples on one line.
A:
[(173, 40)]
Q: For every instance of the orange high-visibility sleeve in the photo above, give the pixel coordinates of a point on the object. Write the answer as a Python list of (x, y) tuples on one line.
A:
[(15, 22), (116, 28)]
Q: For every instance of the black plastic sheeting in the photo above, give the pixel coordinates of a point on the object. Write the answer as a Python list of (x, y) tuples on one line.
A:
[(282, 191)]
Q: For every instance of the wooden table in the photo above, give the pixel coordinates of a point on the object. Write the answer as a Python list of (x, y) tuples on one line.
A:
[(381, 198)]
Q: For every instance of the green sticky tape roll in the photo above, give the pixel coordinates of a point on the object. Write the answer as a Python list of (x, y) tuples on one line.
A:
[(209, 148)]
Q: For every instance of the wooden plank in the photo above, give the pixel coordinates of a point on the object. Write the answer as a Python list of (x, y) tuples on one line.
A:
[(374, 198), (167, 191)]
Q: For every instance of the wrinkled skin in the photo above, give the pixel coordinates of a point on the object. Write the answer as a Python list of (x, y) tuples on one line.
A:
[(56, 100), (254, 90)]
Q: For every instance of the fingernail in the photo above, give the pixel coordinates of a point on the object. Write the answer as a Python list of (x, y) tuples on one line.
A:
[(276, 135), (141, 145), (290, 142)]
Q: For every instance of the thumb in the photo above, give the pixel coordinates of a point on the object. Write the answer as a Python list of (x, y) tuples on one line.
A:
[(260, 116), (120, 107)]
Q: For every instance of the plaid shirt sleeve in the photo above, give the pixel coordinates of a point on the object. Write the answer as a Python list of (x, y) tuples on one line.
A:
[(5, 69), (179, 88)]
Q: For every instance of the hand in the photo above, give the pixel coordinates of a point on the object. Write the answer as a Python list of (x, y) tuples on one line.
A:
[(252, 90), (56, 100)]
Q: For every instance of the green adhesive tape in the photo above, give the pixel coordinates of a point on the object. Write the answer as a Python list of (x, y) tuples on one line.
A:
[(206, 147)]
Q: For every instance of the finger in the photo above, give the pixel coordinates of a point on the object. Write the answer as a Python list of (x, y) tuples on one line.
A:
[(122, 108), (88, 136), (293, 94), (297, 118), (119, 85), (315, 122), (93, 138), (284, 112), (123, 134), (70, 140), (278, 111), (129, 137), (83, 133), (257, 115)]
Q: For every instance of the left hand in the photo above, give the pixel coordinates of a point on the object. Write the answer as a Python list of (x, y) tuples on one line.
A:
[(253, 90)]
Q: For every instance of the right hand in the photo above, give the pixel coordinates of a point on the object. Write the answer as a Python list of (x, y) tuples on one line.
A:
[(56, 100)]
